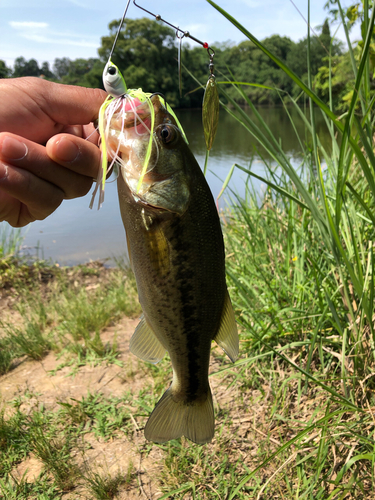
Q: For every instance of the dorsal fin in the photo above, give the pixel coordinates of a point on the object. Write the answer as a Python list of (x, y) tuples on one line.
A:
[(227, 335)]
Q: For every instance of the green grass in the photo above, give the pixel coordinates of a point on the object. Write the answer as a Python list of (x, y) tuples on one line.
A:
[(301, 273), (106, 486), (294, 415), (10, 241), (57, 438), (60, 313)]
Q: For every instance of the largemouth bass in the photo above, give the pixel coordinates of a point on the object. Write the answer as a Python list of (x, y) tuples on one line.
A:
[(176, 251)]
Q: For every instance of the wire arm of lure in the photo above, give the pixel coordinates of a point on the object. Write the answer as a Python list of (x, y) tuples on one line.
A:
[(119, 29), (178, 30), (180, 37)]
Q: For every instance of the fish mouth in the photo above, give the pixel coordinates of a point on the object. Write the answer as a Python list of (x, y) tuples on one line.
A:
[(136, 116), (160, 211)]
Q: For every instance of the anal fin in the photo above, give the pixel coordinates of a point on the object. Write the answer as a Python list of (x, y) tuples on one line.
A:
[(227, 336), (145, 344)]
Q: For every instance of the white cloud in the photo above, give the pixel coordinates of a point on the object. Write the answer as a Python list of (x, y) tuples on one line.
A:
[(27, 24), (61, 41), (40, 32)]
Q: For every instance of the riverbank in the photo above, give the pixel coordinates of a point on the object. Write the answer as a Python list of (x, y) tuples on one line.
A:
[(74, 401)]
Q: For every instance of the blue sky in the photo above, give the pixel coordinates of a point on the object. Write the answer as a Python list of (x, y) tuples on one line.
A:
[(46, 29)]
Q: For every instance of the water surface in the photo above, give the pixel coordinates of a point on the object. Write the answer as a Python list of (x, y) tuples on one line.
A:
[(75, 234)]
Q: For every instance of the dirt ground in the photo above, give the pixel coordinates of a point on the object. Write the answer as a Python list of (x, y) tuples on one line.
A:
[(104, 456)]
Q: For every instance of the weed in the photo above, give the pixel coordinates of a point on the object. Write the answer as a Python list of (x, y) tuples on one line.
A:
[(12, 488), (10, 241), (29, 341), (14, 442), (6, 356), (54, 449), (105, 416), (106, 486)]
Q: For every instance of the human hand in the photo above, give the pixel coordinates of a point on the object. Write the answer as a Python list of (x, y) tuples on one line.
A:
[(44, 157)]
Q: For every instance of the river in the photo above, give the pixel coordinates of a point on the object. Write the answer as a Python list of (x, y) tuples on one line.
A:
[(74, 234)]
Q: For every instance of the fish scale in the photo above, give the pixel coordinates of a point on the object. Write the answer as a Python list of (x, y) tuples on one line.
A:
[(177, 254)]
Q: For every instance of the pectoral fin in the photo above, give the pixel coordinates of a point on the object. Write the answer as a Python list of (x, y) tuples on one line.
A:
[(227, 336), (145, 344), (159, 252)]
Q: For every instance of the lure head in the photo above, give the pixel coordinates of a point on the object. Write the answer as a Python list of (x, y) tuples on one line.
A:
[(129, 116), (113, 80)]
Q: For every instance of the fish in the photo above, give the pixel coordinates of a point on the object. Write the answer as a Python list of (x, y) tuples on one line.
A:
[(176, 251)]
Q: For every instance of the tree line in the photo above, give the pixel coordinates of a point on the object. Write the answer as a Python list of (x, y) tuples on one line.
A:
[(146, 54)]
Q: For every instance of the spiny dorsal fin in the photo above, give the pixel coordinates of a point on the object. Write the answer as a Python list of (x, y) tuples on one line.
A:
[(227, 336), (145, 344)]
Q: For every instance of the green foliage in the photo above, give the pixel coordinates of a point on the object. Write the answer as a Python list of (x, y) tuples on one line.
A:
[(55, 437), (5, 72), (146, 53), (83, 72), (99, 415), (106, 486), (70, 320), (313, 288), (30, 68), (10, 240), (337, 80)]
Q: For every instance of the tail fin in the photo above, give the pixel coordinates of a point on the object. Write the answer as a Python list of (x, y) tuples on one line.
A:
[(172, 419)]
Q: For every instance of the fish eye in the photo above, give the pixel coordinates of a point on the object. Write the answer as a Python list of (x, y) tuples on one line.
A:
[(112, 70), (166, 134)]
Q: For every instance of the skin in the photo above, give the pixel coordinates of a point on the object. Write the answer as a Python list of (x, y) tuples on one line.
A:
[(44, 157), (177, 254)]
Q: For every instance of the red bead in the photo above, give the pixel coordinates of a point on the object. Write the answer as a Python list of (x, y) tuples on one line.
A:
[(205, 45)]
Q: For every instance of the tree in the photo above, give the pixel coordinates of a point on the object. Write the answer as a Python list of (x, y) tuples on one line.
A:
[(45, 70), (83, 72), (26, 68), (145, 54), (342, 81), (5, 72), (249, 64), (61, 67)]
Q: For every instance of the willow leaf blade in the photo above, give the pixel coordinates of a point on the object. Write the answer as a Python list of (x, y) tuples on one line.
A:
[(210, 112)]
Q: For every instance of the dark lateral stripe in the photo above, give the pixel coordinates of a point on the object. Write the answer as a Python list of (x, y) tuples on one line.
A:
[(190, 320)]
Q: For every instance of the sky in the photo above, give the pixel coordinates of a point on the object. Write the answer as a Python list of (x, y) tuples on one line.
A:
[(47, 29)]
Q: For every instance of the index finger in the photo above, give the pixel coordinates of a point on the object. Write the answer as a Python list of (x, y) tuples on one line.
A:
[(66, 104), (73, 105)]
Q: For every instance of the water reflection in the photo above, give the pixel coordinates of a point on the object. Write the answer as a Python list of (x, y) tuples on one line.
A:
[(233, 140), (75, 234)]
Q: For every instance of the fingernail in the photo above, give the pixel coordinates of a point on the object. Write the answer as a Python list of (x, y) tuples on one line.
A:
[(66, 150), (12, 149)]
